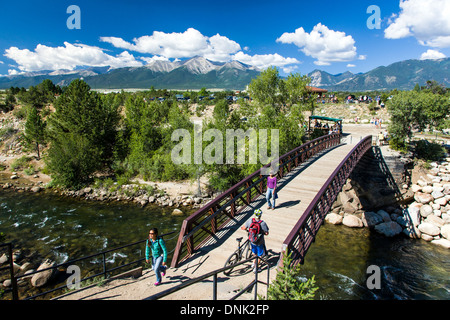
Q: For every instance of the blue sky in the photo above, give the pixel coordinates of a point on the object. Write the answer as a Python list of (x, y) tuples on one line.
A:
[(295, 36)]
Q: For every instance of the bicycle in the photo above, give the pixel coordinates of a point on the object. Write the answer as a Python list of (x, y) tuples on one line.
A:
[(242, 252)]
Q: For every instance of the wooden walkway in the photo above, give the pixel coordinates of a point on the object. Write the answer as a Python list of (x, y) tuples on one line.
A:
[(295, 191)]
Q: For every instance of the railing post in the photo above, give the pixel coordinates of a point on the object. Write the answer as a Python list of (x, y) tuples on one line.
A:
[(232, 205), (190, 242), (261, 186), (104, 265), (215, 286), (249, 192), (213, 222)]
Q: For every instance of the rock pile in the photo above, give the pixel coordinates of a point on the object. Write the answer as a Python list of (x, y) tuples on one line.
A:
[(427, 217), (135, 193), (22, 267)]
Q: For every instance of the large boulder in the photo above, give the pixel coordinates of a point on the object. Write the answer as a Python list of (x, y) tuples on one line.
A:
[(412, 214), (438, 222), (426, 210), (333, 218), (442, 242), (445, 231), (423, 198), (389, 229), (429, 229), (384, 215), (177, 212), (371, 219), (352, 221), (40, 279)]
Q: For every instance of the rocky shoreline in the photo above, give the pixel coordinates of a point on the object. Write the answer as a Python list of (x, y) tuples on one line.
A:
[(131, 193), (426, 217)]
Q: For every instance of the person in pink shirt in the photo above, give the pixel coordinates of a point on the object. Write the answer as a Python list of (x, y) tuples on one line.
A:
[(271, 190)]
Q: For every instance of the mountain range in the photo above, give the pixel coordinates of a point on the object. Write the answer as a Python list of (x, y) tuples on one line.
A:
[(198, 72), (403, 75)]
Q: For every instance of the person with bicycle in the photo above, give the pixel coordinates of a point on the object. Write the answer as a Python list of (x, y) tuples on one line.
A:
[(257, 229)]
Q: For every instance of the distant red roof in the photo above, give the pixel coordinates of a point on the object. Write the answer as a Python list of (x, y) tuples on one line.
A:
[(314, 89)]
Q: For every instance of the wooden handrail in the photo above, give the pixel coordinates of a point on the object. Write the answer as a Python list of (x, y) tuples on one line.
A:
[(224, 206)]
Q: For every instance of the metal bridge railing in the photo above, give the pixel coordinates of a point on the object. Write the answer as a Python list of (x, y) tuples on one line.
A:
[(198, 228), (252, 285), (303, 234), (105, 271)]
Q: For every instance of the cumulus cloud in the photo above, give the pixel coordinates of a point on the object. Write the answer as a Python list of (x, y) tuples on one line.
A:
[(432, 55), (322, 44), (69, 56), (426, 20), (192, 43), (187, 44), (263, 61)]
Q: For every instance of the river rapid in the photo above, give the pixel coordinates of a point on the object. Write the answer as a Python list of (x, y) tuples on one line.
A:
[(46, 225)]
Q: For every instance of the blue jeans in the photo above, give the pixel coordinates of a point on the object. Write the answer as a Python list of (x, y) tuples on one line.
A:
[(270, 194), (157, 267)]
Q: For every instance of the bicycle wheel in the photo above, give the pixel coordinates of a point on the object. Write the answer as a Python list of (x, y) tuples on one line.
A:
[(248, 251), (232, 260)]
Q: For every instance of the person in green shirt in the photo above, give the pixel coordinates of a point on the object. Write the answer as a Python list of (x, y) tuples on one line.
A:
[(156, 248)]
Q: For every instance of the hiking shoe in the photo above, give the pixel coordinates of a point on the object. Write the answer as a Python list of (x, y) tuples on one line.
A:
[(255, 270)]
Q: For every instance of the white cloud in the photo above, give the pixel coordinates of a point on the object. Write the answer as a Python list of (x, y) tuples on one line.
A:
[(188, 44), (192, 43), (67, 57), (154, 58), (322, 44), (350, 65), (426, 20), (13, 72), (432, 55), (263, 61)]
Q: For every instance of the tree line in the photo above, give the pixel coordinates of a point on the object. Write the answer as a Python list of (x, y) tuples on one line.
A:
[(129, 135), (423, 108)]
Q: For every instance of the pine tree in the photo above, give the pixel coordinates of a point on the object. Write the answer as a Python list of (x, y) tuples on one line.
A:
[(288, 286), (34, 129), (82, 133)]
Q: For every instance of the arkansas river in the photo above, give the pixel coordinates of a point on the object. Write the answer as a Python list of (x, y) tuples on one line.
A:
[(62, 229)]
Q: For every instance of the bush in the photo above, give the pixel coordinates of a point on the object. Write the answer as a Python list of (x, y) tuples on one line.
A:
[(20, 163), (288, 286), (429, 150)]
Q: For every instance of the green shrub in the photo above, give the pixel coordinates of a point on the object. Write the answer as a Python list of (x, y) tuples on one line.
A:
[(288, 286), (20, 163), (429, 150)]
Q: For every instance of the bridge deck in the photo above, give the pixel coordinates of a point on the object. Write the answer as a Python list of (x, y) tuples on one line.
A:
[(295, 192)]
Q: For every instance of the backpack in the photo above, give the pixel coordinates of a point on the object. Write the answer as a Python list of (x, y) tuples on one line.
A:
[(254, 231)]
